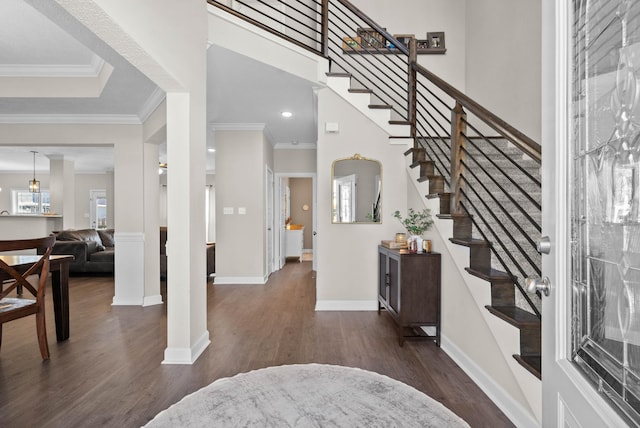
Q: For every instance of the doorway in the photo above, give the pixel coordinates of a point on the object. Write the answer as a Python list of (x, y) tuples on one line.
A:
[(98, 208), (296, 204)]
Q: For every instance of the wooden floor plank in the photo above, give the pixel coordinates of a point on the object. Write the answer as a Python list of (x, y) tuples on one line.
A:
[(109, 373)]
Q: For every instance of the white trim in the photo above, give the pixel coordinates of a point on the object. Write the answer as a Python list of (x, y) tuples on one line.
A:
[(299, 146), (187, 355), (106, 119), (152, 300), (214, 126), (249, 280), (520, 416), (128, 277), (155, 99), (92, 69), (346, 305)]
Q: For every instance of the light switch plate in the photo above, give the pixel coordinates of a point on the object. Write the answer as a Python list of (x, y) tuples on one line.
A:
[(242, 210), (227, 210)]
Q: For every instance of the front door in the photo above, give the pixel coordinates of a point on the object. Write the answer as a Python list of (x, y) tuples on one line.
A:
[(591, 212)]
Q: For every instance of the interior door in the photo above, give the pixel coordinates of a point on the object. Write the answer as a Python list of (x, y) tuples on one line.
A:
[(269, 222), (98, 208), (590, 213)]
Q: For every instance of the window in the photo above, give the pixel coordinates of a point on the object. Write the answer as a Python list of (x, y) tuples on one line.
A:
[(25, 202)]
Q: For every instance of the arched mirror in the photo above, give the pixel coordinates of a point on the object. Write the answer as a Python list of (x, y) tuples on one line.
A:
[(356, 190)]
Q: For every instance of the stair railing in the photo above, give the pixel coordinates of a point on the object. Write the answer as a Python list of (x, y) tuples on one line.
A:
[(488, 166)]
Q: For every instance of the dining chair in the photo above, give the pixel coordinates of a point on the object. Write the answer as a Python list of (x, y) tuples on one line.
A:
[(15, 277)]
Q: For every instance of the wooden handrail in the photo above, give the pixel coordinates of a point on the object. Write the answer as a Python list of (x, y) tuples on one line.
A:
[(265, 27), (371, 23), (524, 143)]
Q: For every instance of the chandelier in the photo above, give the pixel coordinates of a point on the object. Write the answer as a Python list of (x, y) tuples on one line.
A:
[(34, 185)]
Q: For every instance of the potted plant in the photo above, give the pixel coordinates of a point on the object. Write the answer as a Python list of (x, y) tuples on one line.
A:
[(416, 223)]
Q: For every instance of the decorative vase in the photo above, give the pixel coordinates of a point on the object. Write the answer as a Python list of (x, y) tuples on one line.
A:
[(414, 244), (419, 240)]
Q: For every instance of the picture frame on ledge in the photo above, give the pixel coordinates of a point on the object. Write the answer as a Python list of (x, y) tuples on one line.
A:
[(351, 43), (422, 44), (405, 39), (371, 38), (436, 40)]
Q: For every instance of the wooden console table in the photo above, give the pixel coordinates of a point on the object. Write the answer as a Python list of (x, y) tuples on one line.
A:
[(409, 289)]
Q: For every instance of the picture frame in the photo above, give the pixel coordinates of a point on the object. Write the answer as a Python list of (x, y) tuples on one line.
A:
[(405, 39), (351, 43), (422, 44), (370, 38), (436, 40)]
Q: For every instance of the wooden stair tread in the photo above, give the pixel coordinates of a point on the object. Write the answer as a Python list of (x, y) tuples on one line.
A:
[(360, 91), (399, 122), (490, 274), (533, 363), (470, 242), (444, 216), (438, 195), (429, 177), (380, 106), (515, 316), (335, 74), (411, 150), (417, 163)]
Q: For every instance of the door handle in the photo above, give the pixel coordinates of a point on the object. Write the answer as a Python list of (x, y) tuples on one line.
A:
[(315, 233), (544, 245), (535, 283)]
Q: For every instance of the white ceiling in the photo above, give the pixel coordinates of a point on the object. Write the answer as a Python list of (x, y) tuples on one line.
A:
[(40, 39)]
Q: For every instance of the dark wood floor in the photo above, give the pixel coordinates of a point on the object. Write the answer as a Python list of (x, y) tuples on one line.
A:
[(109, 373)]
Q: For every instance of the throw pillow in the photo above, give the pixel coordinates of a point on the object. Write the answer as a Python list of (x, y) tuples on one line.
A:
[(106, 235)]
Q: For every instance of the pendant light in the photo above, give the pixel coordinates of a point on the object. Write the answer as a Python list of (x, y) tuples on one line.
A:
[(34, 185)]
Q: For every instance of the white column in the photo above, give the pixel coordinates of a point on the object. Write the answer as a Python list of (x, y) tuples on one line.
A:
[(111, 202), (187, 334), (62, 189), (129, 229), (152, 294)]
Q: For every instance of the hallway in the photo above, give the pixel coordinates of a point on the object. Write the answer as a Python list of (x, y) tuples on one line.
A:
[(109, 373)]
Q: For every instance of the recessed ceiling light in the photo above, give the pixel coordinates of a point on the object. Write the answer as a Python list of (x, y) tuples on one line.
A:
[(287, 114), (211, 150)]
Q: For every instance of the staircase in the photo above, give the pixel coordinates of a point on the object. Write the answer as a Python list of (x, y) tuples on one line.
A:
[(479, 176), (500, 265)]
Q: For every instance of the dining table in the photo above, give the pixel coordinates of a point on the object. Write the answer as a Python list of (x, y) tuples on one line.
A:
[(59, 268)]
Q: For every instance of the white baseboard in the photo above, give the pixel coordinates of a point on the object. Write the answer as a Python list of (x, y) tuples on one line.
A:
[(347, 305), (187, 355), (152, 300), (256, 280), (511, 408), (118, 301)]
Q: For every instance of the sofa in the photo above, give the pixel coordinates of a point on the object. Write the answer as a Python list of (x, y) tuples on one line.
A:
[(94, 250), (211, 255)]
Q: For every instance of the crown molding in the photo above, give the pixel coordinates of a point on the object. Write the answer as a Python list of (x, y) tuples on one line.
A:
[(92, 69), (68, 119), (237, 126), (299, 146), (152, 103)]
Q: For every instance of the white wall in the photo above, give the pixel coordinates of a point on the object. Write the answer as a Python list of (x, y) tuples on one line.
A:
[(83, 183), (294, 160), (503, 73), (347, 253), (421, 16), (241, 159)]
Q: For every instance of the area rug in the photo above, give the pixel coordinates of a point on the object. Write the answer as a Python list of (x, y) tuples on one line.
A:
[(307, 395)]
